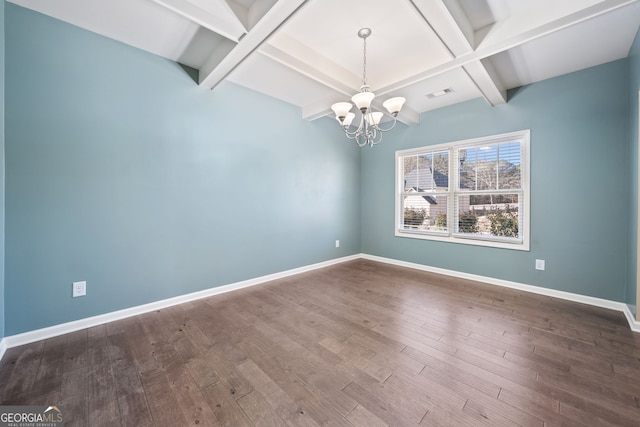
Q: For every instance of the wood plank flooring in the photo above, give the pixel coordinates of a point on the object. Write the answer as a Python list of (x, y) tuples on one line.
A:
[(356, 344)]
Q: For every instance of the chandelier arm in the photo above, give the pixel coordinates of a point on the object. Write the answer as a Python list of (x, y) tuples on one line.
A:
[(395, 120), (356, 132), (363, 140), (376, 138), (377, 141), (350, 135), (370, 137), (362, 134)]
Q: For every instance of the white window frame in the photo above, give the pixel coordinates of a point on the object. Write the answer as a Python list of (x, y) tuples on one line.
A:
[(450, 236)]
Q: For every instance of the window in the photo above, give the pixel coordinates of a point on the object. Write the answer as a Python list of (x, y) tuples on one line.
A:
[(474, 191)]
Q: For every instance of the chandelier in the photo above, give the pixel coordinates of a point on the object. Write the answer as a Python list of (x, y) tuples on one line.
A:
[(369, 129)]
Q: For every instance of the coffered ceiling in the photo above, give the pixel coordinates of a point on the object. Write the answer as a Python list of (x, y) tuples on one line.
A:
[(307, 52)]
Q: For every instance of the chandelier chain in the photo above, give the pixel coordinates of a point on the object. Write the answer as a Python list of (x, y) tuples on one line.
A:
[(364, 62)]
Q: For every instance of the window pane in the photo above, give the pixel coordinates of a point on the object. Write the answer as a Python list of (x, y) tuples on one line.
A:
[(509, 166), (494, 215), (479, 168), (466, 169), (441, 171), (410, 170), (425, 212), (426, 172), (490, 167)]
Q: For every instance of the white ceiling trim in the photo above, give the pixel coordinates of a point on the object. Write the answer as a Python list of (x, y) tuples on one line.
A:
[(492, 46), (487, 81), (224, 61), (214, 71), (450, 25), (509, 33), (229, 26), (471, 48), (456, 34)]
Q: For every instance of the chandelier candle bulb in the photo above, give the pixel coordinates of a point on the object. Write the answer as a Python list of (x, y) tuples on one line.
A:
[(363, 100), (347, 120), (341, 109), (394, 105), (374, 118)]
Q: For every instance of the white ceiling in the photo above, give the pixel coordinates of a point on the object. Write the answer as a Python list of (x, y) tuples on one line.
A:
[(307, 52)]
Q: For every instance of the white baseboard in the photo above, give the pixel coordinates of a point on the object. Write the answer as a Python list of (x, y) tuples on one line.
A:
[(598, 302), (3, 347), (634, 324), (632, 309), (76, 325), (64, 328)]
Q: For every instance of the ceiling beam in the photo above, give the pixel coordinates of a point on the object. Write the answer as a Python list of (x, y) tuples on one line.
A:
[(508, 38), (229, 27), (215, 70), (456, 34), (257, 10), (317, 110), (451, 26), (408, 116), (487, 81), (448, 21)]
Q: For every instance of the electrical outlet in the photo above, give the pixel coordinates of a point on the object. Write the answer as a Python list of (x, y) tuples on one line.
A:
[(79, 289), (337, 243), (540, 264)]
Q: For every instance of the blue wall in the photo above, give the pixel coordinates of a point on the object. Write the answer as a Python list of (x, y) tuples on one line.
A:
[(634, 87), (579, 172), (121, 171)]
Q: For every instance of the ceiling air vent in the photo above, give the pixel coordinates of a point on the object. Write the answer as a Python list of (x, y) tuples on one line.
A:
[(438, 93)]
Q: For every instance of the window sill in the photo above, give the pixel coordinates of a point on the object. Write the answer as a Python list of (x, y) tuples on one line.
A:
[(519, 246)]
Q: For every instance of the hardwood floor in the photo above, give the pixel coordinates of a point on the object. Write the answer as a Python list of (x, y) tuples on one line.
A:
[(360, 343)]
